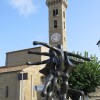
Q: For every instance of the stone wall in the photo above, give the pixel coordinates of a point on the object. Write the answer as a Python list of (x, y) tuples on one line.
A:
[(20, 57), (34, 79), (9, 86)]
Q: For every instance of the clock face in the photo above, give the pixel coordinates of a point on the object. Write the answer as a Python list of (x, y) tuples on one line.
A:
[(55, 37)]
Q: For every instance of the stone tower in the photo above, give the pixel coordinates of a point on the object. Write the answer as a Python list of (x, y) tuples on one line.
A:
[(57, 22)]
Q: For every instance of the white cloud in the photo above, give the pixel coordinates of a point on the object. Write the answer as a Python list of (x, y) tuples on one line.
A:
[(24, 7)]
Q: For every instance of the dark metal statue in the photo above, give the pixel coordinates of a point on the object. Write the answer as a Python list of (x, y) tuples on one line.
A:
[(57, 70)]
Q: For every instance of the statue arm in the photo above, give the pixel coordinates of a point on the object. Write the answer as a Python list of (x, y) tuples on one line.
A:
[(76, 62), (81, 93), (37, 63), (46, 45), (39, 53), (76, 55)]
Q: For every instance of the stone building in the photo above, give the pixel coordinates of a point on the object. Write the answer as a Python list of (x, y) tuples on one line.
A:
[(14, 87), (17, 80)]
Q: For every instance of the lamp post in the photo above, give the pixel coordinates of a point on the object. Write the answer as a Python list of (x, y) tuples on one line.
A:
[(98, 43)]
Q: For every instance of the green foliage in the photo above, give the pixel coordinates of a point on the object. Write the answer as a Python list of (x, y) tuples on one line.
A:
[(86, 76)]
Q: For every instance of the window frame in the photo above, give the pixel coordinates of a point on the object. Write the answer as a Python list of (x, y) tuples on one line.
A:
[(55, 24)]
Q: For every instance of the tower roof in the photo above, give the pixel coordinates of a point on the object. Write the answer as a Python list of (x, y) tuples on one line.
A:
[(53, 2)]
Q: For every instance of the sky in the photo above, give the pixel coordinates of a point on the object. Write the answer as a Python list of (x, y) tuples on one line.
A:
[(25, 21)]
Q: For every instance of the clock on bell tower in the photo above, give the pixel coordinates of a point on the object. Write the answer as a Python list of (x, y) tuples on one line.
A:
[(57, 22)]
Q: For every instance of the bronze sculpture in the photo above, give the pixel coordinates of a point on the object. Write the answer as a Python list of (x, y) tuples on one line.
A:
[(57, 70)]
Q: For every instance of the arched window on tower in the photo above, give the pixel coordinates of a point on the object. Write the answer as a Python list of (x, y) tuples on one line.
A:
[(55, 23), (55, 12), (64, 24), (64, 14)]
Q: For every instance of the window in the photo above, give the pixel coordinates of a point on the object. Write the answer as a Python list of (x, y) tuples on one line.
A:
[(55, 23), (64, 25), (55, 12), (7, 90), (25, 76), (64, 14), (64, 39)]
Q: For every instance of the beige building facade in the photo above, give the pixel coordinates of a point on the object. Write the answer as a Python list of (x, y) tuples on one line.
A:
[(13, 87), (20, 57), (17, 80)]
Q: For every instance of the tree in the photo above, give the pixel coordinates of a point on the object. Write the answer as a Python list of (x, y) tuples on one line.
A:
[(86, 76)]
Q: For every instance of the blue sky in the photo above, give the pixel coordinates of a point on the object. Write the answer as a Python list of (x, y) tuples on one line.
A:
[(23, 21)]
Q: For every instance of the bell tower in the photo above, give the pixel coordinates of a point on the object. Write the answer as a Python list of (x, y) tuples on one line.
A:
[(57, 22)]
